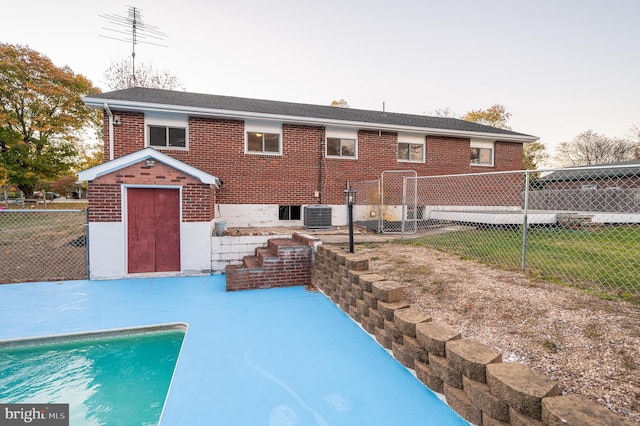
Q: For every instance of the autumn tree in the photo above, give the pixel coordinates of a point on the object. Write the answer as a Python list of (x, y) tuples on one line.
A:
[(41, 115), (534, 154), (496, 115), (120, 75), (340, 103), (590, 148)]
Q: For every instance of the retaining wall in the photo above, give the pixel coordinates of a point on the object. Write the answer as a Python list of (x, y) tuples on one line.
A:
[(472, 377)]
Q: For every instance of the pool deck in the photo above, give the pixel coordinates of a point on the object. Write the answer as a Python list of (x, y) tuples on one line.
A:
[(277, 357)]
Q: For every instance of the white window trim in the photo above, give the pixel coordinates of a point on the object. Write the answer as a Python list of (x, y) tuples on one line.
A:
[(341, 133), (180, 121), (486, 145), (251, 126), (413, 139)]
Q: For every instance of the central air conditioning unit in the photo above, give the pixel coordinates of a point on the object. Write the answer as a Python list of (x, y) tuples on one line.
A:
[(317, 217)]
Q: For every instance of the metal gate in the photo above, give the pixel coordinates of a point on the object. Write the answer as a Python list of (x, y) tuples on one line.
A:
[(389, 202), (394, 199)]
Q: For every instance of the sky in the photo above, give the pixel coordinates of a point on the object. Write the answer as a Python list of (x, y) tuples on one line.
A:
[(560, 67)]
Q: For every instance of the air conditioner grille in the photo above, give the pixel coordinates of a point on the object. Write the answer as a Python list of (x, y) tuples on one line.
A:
[(317, 217)]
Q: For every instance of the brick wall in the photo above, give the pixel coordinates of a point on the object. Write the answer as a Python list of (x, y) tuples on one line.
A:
[(285, 262), (472, 377), (128, 137), (216, 146), (105, 198)]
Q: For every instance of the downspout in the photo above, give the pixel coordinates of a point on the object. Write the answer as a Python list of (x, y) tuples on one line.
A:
[(106, 107), (320, 161)]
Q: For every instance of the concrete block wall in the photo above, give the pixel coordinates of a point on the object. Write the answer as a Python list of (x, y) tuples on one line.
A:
[(230, 250), (472, 377), (284, 262)]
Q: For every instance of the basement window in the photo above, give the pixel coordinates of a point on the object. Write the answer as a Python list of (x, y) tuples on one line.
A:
[(289, 212)]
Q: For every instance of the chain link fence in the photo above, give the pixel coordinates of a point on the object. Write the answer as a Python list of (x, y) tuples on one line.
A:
[(42, 245), (579, 226)]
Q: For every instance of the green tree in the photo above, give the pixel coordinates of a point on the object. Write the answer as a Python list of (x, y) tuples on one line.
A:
[(41, 115)]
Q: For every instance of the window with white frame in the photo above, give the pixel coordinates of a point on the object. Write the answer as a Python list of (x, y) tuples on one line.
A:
[(263, 142), (167, 137), (168, 131), (341, 143), (481, 153), (341, 147), (263, 137), (411, 148)]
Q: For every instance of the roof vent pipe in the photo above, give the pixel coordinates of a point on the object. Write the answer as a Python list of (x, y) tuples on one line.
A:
[(106, 107)]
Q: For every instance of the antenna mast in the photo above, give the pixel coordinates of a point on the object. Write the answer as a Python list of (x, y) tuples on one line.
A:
[(140, 33)]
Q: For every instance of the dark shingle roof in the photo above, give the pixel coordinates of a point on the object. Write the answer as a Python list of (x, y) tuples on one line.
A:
[(595, 171), (230, 103)]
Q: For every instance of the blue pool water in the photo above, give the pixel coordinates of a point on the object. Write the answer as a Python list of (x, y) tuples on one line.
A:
[(104, 380), (276, 357)]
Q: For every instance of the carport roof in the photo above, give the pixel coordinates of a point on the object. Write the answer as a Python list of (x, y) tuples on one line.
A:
[(597, 171), (146, 99)]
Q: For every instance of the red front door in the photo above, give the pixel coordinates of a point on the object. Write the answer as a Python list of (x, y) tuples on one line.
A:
[(153, 229)]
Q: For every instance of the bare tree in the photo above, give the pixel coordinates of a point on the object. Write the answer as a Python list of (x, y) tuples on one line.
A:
[(445, 112), (635, 134), (119, 76), (590, 148)]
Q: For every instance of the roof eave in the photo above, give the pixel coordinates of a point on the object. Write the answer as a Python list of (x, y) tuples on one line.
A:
[(243, 115), (144, 154)]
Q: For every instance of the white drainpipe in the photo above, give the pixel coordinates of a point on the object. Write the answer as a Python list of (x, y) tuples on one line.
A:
[(106, 107)]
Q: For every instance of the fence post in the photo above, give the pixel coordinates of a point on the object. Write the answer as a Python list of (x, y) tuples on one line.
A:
[(404, 207), (380, 207), (86, 242), (525, 220)]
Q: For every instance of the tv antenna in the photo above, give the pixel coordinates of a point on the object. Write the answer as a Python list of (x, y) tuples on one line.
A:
[(131, 29)]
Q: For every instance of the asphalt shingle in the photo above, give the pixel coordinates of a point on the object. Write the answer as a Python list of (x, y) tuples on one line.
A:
[(230, 103)]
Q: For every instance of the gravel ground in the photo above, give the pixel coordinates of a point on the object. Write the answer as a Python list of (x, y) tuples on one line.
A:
[(590, 346)]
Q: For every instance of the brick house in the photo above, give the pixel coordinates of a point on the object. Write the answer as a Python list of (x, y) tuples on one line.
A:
[(263, 161)]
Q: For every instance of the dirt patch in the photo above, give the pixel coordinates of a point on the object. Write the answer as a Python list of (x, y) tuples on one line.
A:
[(588, 345), (42, 246)]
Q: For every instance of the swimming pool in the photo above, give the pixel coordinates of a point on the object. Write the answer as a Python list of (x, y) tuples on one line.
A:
[(104, 377), (277, 357)]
